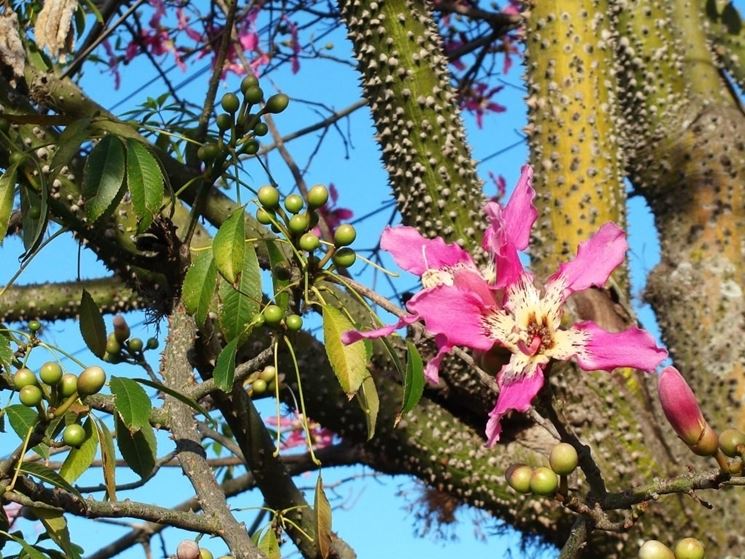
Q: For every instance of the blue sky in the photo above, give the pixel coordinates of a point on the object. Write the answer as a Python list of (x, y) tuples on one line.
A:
[(372, 516)]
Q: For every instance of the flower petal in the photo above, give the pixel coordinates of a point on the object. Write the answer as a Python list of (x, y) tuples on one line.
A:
[(520, 213), (596, 259), (432, 369), (352, 336), (607, 350), (416, 254), (454, 313), (515, 394), (473, 282)]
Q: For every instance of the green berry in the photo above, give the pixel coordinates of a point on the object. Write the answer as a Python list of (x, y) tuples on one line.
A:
[(205, 553), (230, 102), (224, 121), (309, 242), (253, 94), (4, 125), (112, 358), (30, 395), (113, 346), (269, 197), (273, 315), (345, 257), (729, 440), (208, 152), (251, 147), (73, 435), (51, 373), (261, 129), (689, 548), (518, 477), (91, 380), (563, 459), (268, 374), (652, 549), (69, 384), (277, 103), (294, 322), (152, 343), (299, 223), (135, 345), (344, 235), (24, 377), (263, 216), (34, 325), (248, 82), (318, 195), (544, 481), (294, 203), (258, 386)]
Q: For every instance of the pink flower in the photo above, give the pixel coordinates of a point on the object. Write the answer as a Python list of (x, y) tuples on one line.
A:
[(478, 101), (684, 414), (438, 263), (293, 431)]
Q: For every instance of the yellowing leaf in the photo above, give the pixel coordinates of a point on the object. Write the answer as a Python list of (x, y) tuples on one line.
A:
[(348, 361)]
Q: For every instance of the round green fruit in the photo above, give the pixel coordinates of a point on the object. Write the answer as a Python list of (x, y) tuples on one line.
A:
[(563, 459), (152, 343), (345, 257), (230, 102), (208, 152), (318, 195), (248, 82), (309, 242), (261, 129), (299, 223), (544, 481), (689, 548), (30, 395), (135, 345), (224, 121), (205, 553), (69, 385), (294, 322), (251, 147), (729, 440), (277, 103), (253, 94), (518, 477), (268, 374), (652, 549), (51, 373), (34, 325), (91, 380), (73, 435), (344, 235), (263, 216), (258, 386), (24, 377), (294, 203), (273, 315), (113, 346), (268, 197)]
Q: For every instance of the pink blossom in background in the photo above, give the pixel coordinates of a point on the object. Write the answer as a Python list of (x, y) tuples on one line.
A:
[(501, 184), (293, 432), (113, 63), (477, 100)]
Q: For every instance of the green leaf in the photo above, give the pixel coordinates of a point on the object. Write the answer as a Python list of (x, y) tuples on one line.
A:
[(224, 372), (7, 191), (268, 544), (229, 246), (369, 403), (413, 380), (348, 361), (138, 449), (50, 476), (56, 526), (69, 142), (145, 182), (34, 207), (21, 419), (280, 267), (199, 286), (29, 551), (132, 402), (6, 352), (180, 397), (79, 459), (92, 326), (239, 306), (108, 458), (103, 177), (322, 510)]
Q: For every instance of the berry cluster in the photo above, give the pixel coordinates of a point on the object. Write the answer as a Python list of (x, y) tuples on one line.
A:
[(262, 382), (543, 481), (687, 548), (121, 347)]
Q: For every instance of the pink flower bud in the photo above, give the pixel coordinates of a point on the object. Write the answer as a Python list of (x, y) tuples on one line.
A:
[(684, 414)]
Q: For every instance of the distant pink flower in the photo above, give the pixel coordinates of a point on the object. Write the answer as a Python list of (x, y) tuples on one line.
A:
[(684, 414), (478, 101), (293, 432), (113, 63), (529, 325)]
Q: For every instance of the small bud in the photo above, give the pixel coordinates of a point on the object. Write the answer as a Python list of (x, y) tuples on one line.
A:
[(187, 549), (121, 328), (652, 549), (684, 414)]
